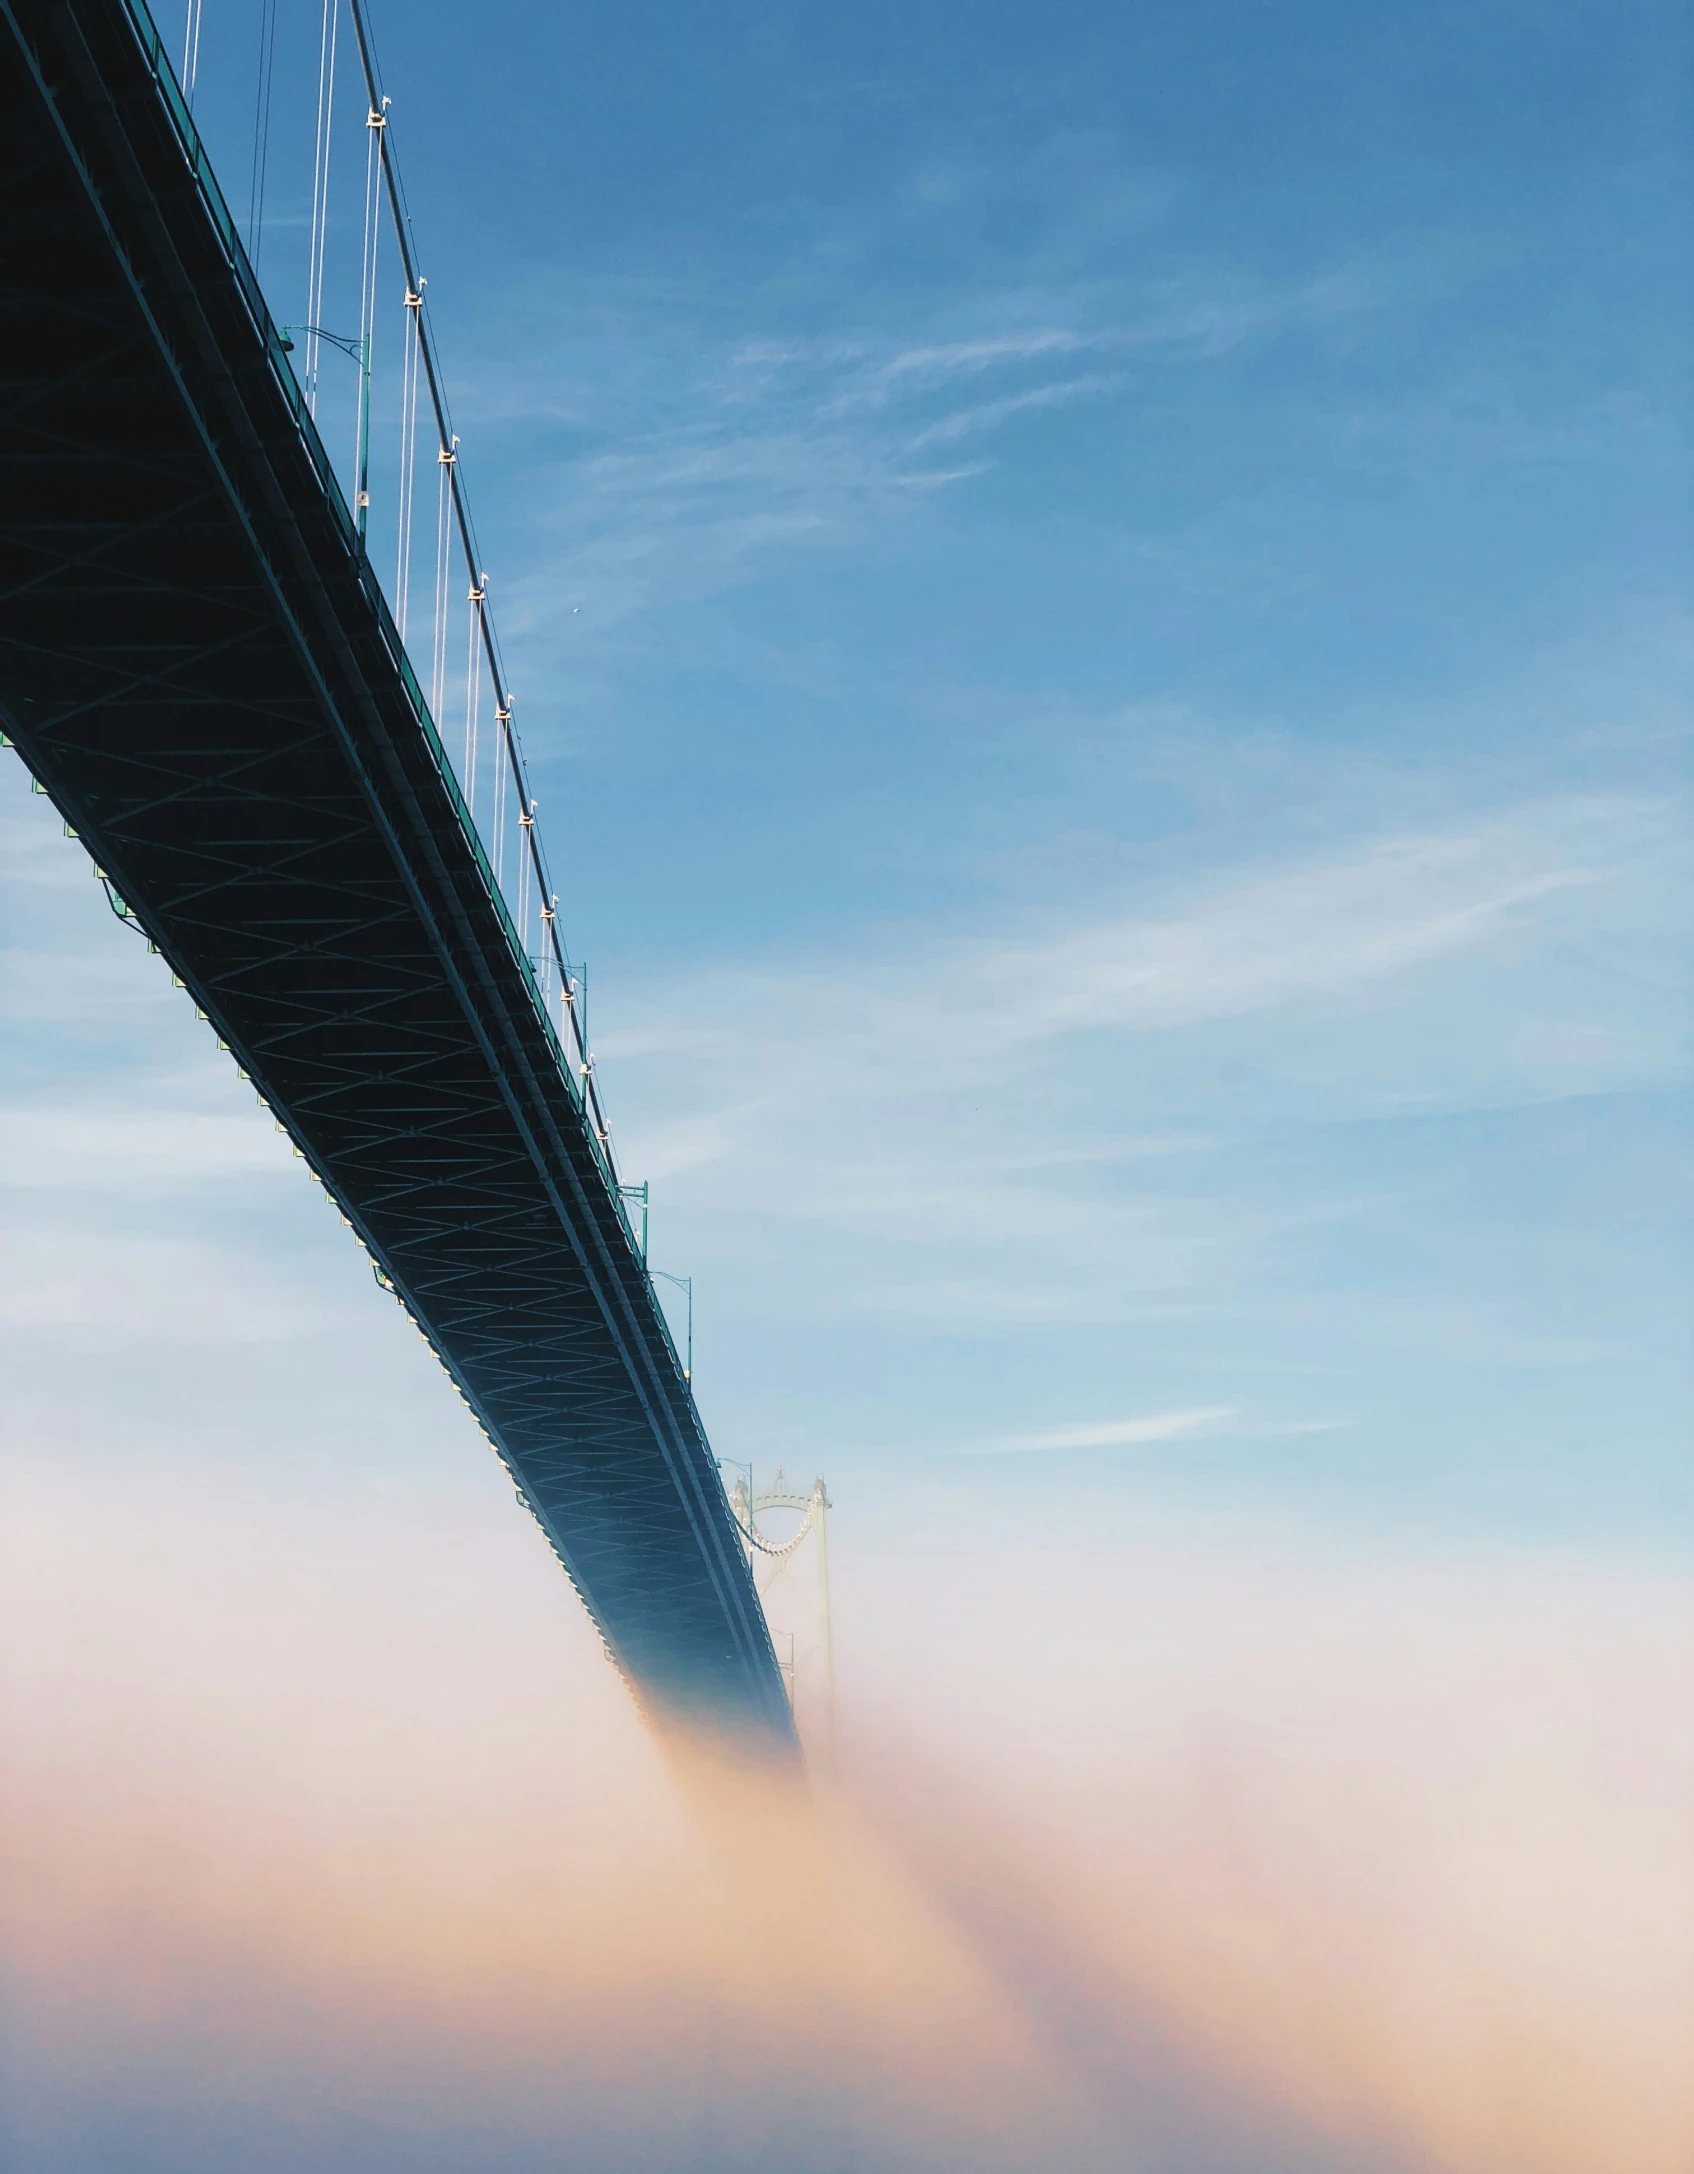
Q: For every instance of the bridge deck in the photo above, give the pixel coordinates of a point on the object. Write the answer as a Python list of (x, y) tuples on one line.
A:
[(198, 665)]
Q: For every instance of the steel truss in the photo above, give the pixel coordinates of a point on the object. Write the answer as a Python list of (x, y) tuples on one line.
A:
[(197, 663)]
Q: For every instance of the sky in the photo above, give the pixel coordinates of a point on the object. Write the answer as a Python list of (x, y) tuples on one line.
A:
[(1098, 602)]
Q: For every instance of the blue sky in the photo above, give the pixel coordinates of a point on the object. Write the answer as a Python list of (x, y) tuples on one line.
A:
[(1009, 516), (1099, 606)]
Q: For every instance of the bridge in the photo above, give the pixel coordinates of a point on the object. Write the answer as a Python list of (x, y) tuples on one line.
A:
[(199, 665)]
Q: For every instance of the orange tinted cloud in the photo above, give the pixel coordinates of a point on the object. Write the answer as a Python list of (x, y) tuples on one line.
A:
[(334, 1841)]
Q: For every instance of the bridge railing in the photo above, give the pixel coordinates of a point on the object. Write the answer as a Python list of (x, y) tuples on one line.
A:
[(575, 1064)]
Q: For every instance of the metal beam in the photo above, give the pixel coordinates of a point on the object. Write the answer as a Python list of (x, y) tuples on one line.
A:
[(197, 663)]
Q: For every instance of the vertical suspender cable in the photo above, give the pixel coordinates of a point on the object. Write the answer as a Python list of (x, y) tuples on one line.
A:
[(261, 131), (443, 585), (473, 695), (191, 51), (502, 728), (320, 196), (375, 120), (526, 823), (408, 454)]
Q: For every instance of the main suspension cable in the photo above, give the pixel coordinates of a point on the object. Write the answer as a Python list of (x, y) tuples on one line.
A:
[(509, 768)]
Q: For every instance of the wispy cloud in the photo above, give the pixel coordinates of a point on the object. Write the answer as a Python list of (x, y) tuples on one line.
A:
[(123, 1288), (689, 464), (105, 1150), (1032, 1127), (1110, 1433), (919, 370), (990, 414), (1249, 941)]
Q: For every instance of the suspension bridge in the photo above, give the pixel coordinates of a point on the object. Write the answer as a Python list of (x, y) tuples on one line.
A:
[(201, 666)]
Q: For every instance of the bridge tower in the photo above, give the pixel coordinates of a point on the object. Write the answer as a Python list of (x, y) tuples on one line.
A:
[(790, 1565)]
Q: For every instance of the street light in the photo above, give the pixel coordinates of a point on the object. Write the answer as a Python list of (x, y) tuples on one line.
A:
[(359, 351), (638, 1192), (684, 1284)]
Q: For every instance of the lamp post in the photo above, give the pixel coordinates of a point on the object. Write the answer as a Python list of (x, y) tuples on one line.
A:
[(685, 1284), (359, 350), (638, 1192)]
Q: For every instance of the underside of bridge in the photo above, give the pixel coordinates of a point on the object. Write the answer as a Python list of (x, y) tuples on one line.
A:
[(198, 665)]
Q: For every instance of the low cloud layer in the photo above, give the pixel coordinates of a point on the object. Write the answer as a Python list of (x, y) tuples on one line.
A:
[(332, 1839)]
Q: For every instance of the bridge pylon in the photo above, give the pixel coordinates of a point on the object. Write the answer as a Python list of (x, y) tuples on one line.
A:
[(790, 1565)]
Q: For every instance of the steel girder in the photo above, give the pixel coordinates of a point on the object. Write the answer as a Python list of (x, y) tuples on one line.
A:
[(197, 663)]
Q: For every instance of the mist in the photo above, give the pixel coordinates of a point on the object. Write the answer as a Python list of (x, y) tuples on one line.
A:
[(1156, 1842)]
